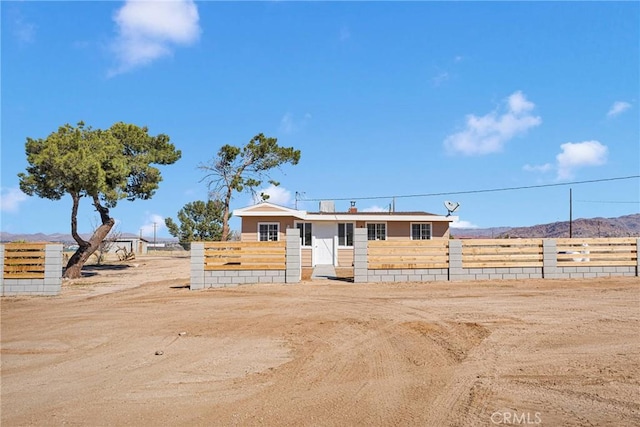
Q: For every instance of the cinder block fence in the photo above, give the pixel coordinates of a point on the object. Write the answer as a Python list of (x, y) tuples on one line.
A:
[(492, 259), (221, 264), (31, 269)]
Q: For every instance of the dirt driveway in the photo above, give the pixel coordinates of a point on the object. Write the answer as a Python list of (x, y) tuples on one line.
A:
[(134, 346)]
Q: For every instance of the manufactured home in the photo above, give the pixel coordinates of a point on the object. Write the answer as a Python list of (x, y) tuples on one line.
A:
[(327, 236)]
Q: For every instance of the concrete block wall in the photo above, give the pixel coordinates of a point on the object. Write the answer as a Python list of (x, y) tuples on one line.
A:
[(293, 272), (230, 278), (50, 285), (360, 248), (197, 266), (201, 279)]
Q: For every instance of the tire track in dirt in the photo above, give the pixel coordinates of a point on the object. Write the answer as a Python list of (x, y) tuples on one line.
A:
[(369, 358)]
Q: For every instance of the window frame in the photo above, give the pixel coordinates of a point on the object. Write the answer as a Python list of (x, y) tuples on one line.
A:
[(429, 224), (376, 231), (303, 235), (346, 234), (277, 224)]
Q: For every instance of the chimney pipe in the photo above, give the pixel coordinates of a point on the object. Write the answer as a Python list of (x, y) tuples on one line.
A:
[(352, 208)]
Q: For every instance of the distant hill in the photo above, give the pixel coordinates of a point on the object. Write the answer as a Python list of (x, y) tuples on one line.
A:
[(64, 238), (624, 226)]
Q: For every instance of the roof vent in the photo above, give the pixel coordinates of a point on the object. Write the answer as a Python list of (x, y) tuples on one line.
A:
[(327, 206)]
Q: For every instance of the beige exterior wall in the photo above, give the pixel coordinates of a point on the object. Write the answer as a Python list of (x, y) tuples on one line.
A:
[(395, 230), (249, 231), (440, 230), (402, 230)]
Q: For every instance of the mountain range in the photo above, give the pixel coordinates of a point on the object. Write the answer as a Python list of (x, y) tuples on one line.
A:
[(623, 226), (65, 238)]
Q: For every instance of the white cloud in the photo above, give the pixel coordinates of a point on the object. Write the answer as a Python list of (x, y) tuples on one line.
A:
[(617, 108), (148, 30), (10, 199), (538, 168), (573, 155), (24, 31), (153, 223), (277, 195), (440, 78), (289, 125), (376, 208), (489, 133), (580, 154), (457, 223)]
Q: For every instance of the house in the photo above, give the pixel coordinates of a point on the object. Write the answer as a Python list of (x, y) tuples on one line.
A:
[(327, 236)]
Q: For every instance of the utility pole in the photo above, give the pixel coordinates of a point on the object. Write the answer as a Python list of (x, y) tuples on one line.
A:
[(570, 213), (154, 234)]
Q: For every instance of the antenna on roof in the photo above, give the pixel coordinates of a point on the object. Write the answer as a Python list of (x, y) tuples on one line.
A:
[(451, 207), (298, 197)]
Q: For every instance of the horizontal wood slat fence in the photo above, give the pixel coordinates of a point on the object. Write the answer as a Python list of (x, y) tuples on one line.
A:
[(244, 256), (24, 260), (501, 253), (481, 253), (408, 254), (217, 264), (597, 252)]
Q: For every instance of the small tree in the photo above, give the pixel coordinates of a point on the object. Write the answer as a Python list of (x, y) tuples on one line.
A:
[(103, 165), (107, 244), (244, 169), (199, 221)]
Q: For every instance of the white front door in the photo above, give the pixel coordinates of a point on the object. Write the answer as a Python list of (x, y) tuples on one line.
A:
[(323, 243)]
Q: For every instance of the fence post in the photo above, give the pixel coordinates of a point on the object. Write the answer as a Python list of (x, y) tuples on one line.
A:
[(549, 259), (197, 266), (1, 269), (360, 257), (293, 271), (455, 260), (52, 269), (638, 257)]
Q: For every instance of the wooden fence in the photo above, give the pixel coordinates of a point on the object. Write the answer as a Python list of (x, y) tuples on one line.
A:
[(408, 254), (502, 253), (498, 253), (24, 260), (597, 252), (244, 256)]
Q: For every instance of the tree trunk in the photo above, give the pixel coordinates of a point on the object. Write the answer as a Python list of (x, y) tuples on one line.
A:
[(80, 257), (225, 217)]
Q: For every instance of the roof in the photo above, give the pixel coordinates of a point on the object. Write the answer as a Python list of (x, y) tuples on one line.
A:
[(374, 213), (266, 209)]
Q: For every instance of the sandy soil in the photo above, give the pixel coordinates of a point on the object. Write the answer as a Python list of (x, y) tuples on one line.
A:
[(132, 345)]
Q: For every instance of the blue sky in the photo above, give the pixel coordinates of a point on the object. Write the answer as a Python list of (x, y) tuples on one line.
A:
[(383, 99)]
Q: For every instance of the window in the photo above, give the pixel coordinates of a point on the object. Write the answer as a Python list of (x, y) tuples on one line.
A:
[(345, 234), (305, 232), (377, 231), (421, 231), (268, 232)]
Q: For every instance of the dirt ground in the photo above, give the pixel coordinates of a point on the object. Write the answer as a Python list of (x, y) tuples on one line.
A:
[(130, 344)]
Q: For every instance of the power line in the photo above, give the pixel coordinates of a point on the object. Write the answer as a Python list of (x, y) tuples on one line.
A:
[(608, 201), (492, 190)]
